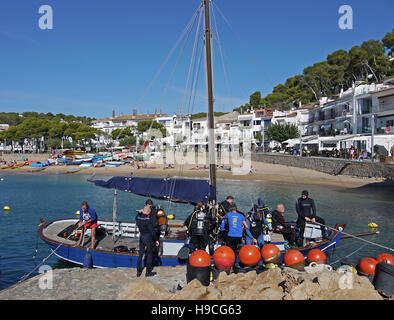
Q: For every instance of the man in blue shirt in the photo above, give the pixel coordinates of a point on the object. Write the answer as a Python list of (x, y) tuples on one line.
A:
[(87, 219), (236, 222)]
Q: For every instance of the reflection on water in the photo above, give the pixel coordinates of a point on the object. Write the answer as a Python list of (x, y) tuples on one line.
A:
[(59, 196)]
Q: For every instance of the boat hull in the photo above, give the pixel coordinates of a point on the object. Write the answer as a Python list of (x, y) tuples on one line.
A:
[(111, 259)]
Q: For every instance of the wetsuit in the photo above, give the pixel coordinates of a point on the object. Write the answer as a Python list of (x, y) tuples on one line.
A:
[(307, 208), (255, 230), (223, 209), (198, 225), (147, 236), (235, 224), (280, 226)]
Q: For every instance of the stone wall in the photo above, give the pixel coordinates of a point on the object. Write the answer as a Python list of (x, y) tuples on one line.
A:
[(331, 165)]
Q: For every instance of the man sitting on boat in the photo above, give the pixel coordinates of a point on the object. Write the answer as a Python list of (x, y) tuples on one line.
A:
[(280, 226), (87, 219)]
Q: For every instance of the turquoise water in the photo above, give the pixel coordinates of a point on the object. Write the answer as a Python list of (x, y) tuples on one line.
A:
[(32, 197)]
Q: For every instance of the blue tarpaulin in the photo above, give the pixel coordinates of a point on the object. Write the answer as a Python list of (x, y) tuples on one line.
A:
[(172, 189)]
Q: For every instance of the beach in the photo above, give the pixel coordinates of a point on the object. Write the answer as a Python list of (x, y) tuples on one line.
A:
[(261, 171)]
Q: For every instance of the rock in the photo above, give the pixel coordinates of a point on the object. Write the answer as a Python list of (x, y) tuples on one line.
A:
[(143, 290), (348, 294), (194, 290), (304, 291)]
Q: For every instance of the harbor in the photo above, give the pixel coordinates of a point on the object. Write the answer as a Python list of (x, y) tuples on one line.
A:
[(288, 196)]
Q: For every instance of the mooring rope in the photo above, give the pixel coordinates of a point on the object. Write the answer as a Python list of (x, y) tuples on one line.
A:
[(353, 236), (45, 259), (365, 244)]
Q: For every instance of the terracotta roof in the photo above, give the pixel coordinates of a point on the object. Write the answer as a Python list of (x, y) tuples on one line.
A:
[(307, 106), (134, 117), (290, 115)]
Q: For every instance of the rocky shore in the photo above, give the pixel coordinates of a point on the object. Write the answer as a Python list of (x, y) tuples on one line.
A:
[(170, 284)]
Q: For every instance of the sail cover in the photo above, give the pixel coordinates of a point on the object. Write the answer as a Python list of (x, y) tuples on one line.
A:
[(172, 189)]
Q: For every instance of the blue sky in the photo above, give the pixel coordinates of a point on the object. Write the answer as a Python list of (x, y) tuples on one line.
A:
[(102, 55)]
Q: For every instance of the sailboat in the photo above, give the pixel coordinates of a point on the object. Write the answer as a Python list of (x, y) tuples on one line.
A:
[(117, 241)]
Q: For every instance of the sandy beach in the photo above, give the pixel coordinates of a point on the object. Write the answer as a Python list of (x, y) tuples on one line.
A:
[(262, 171)]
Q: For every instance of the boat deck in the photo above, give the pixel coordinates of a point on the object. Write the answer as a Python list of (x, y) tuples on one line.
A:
[(128, 238)]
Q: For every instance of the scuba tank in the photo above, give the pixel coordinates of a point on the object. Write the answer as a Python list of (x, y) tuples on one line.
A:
[(162, 221), (267, 237), (200, 225)]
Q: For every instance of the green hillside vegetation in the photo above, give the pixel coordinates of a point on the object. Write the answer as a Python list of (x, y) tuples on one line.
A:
[(373, 61)]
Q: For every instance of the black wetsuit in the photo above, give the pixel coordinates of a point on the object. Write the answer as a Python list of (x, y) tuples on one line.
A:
[(147, 236), (199, 237), (307, 208)]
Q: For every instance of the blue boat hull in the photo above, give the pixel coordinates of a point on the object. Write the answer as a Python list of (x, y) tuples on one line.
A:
[(107, 259)]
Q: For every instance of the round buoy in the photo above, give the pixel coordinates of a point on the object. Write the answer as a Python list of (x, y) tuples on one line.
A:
[(1, 179), (294, 259), (249, 255), (224, 258), (6, 208), (270, 254), (170, 217), (367, 266), (385, 257), (200, 258), (77, 213), (318, 256)]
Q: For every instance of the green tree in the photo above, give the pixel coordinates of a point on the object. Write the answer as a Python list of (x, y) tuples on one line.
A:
[(280, 132), (255, 99)]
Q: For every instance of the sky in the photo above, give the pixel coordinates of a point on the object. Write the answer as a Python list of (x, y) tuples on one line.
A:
[(103, 55)]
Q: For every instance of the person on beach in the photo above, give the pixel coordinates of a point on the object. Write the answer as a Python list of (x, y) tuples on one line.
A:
[(306, 210), (146, 241), (87, 219), (279, 225), (235, 221)]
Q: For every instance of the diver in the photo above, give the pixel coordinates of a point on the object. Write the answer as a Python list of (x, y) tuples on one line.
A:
[(279, 225), (255, 231), (199, 224), (235, 221), (306, 210), (224, 207)]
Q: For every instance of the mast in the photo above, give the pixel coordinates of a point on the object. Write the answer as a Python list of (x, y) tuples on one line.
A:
[(211, 120)]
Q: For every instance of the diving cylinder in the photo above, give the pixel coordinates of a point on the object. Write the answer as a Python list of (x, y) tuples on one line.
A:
[(200, 222)]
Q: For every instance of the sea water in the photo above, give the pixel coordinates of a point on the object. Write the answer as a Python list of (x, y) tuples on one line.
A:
[(51, 197)]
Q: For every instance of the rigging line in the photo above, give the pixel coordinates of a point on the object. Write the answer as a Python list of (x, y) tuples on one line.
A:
[(176, 65), (192, 60), (196, 78), (168, 57), (243, 44), (217, 38), (178, 61)]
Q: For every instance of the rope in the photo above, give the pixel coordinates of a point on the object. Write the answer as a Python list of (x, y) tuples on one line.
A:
[(364, 245), (350, 235), (168, 57), (45, 259)]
